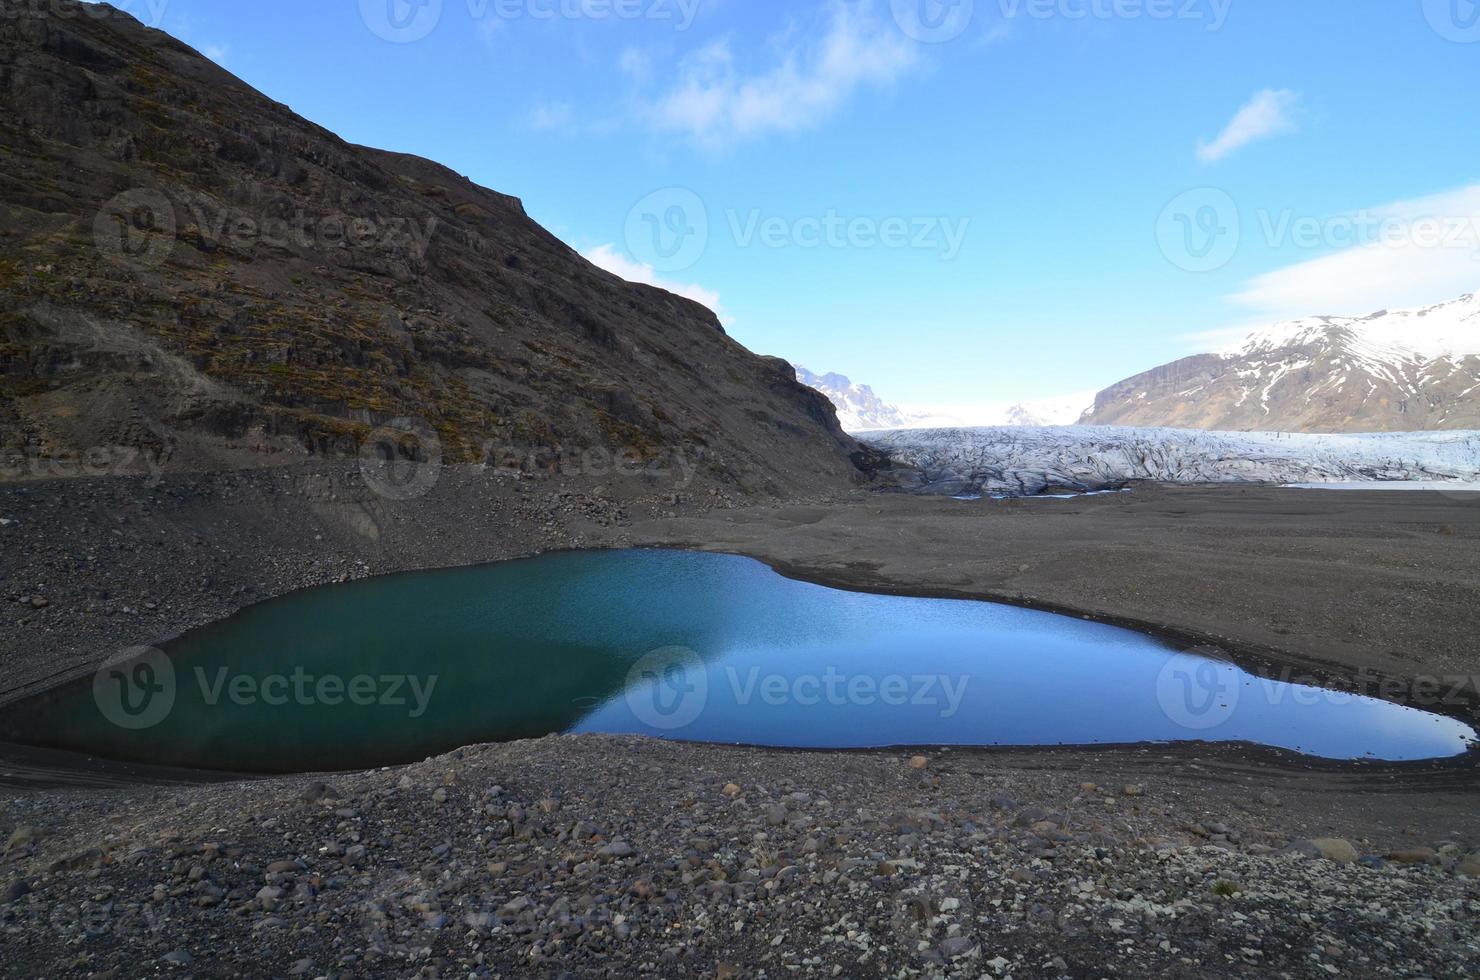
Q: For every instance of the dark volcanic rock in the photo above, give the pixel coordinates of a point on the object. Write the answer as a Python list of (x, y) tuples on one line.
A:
[(190, 270)]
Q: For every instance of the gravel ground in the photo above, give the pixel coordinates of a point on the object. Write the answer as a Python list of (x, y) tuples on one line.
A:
[(594, 856)]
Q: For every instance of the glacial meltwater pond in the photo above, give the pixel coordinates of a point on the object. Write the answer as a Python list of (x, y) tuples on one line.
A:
[(704, 647)]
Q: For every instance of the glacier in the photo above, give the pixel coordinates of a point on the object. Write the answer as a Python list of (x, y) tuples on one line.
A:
[(1026, 461)]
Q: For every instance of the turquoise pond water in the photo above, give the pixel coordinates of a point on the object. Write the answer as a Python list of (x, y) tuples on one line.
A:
[(683, 645)]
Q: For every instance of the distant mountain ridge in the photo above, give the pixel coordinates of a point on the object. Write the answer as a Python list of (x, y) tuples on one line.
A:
[(1392, 371), (860, 409)]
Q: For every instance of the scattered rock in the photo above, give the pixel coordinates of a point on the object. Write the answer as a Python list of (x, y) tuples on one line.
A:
[(1335, 849), (1415, 855), (21, 837), (319, 791)]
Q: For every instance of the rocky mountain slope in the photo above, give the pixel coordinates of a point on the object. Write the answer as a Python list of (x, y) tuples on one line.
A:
[(190, 271), (861, 410), (1388, 372), (1019, 461)]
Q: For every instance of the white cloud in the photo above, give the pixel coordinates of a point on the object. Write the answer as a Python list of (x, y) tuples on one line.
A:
[(549, 116), (636, 63), (1405, 255), (1268, 114), (607, 257), (717, 103), (1409, 253), (216, 52)]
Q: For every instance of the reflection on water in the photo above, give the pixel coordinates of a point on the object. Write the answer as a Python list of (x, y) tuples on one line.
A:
[(675, 644)]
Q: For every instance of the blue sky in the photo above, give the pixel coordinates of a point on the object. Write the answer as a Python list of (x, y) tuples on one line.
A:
[(958, 202)]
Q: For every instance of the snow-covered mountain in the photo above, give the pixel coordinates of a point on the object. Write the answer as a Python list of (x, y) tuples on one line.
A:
[(1026, 461), (861, 410), (1388, 372)]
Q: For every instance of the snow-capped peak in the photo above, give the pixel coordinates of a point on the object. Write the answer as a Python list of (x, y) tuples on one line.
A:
[(861, 410), (1449, 329)]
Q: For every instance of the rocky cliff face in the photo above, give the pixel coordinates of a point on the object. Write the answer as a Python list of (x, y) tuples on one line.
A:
[(1388, 372), (189, 269)]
